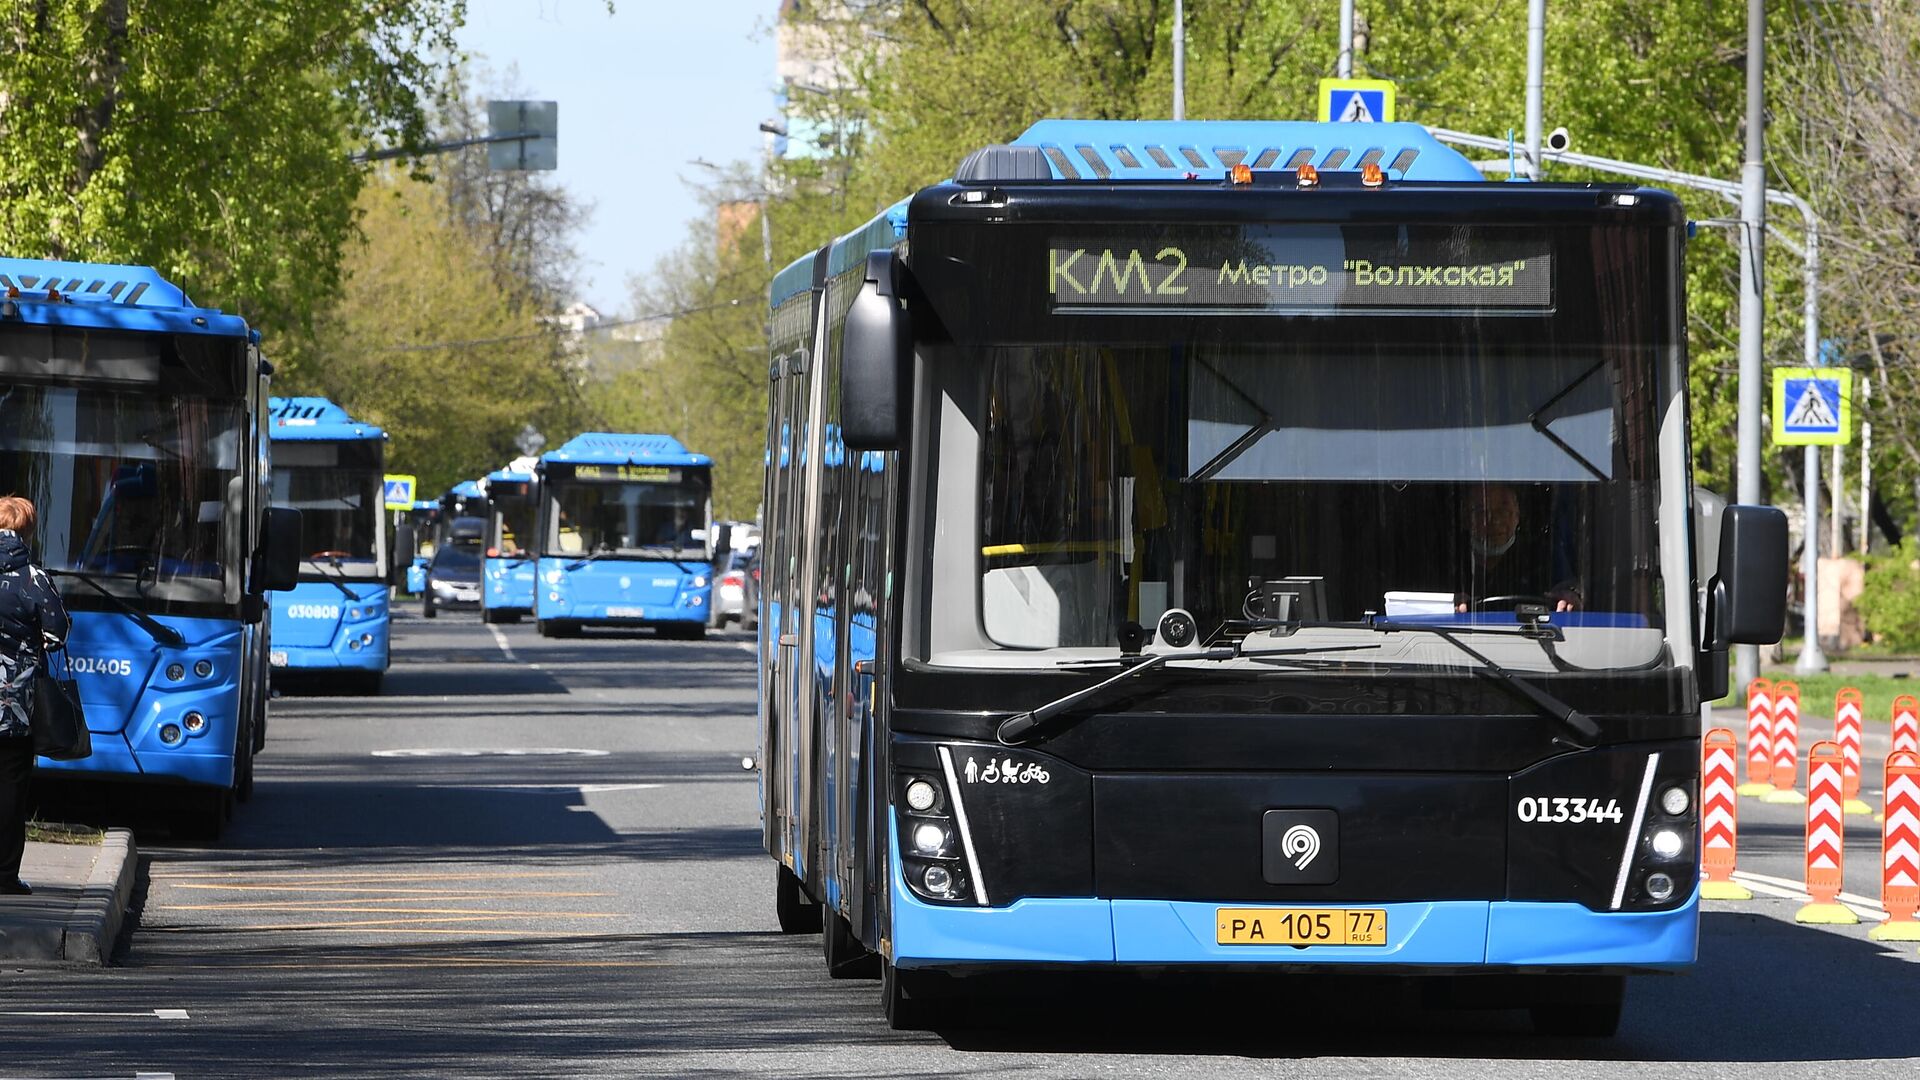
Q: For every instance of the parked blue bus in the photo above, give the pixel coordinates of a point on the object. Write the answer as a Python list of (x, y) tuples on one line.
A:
[(622, 536), (507, 578), (1244, 545), (329, 466), (133, 421)]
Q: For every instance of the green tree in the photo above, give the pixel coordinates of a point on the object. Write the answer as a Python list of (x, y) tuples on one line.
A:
[(209, 138), (422, 342)]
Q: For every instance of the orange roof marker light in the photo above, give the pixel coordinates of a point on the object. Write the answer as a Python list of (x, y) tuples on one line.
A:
[(1371, 175), (1242, 174), (1307, 176)]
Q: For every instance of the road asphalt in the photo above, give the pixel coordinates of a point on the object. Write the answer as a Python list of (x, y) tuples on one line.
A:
[(541, 858)]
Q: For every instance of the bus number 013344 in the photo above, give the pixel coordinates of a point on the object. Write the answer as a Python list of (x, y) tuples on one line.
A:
[(1571, 811)]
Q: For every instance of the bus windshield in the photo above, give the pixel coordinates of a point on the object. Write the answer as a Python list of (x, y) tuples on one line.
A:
[(128, 487), (513, 518), (1464, 471), (336, 488), (662, 518)]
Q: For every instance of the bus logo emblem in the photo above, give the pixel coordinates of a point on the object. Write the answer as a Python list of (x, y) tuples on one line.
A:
[(1301, 844)]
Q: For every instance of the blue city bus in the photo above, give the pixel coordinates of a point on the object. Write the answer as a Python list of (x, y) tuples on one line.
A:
[(622, 536), (335, 622), (507, 576), (1244, 545), (133, 421), (424, 519)]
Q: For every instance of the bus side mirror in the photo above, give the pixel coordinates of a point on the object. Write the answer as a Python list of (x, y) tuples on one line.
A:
[(279, 559), (721, 550), (874, 361), (1747, 598), (404, 544)]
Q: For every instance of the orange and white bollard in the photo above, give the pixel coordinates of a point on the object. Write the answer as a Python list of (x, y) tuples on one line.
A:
[(1759, 738), (1786, 743), (1719, 817), (1900, 850), (1826, 838), (1846, 732), (1906, 723)]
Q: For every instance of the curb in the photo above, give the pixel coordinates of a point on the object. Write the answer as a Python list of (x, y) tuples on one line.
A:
[(97, 916)]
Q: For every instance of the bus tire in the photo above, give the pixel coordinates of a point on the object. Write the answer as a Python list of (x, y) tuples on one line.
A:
[(243, 767), (204, 813), (904, 996), (486, 616), (797, 912), (1580, 1006), (846, 957)]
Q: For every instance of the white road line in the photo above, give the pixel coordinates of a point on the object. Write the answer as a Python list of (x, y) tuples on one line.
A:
[(143, 1014), (500, 639), (1800, 889), (750, 646)]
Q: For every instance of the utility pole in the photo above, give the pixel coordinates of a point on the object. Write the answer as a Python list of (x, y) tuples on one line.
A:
[(1753, 235), (1536, 79), (1343, 66), (1179, 60)]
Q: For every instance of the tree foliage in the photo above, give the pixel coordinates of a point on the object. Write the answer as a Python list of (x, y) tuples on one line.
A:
[(209, 138), (423, 341)]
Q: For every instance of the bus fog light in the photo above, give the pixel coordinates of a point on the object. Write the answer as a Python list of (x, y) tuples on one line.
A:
[(1659, 887), (1675, 801), (195, 722), (921, 795), (203, 668), (929, 839), (176, 672), (366, 639), (354, 644), (938, 880), (1667, 844), (170, 734)]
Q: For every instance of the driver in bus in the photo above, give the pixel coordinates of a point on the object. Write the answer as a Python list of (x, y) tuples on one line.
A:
[(1494, 568), (677, 532)]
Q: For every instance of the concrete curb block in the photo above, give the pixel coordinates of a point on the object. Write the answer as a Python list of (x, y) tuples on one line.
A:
[(102, 908)]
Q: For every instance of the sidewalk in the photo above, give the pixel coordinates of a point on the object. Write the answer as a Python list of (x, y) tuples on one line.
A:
[(79, 901)]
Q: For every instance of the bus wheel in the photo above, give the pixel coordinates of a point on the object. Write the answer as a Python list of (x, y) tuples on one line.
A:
[(204, 813), (846, 957), (797, 913), (243, 768), (1580, 1006), (486, 616), (905, 997)]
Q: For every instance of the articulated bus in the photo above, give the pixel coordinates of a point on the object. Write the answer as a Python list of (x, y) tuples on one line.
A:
[(622, 536), (507, 579), (329, 466), (1245, 545), (133, 421)]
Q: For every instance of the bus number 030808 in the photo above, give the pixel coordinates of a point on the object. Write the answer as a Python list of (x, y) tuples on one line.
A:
[(1569, 810)]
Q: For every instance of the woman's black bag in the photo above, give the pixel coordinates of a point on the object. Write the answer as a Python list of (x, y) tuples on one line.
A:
[(59, 724)]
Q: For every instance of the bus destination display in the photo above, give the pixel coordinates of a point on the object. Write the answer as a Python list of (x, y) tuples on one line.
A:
[(619, 473), (1317, 270)]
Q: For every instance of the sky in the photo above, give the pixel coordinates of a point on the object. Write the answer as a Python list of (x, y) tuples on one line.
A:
[(641, 92)]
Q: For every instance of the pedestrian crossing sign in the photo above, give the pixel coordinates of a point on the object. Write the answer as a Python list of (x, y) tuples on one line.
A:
[(1356, 101), (397, 491), (1812, 406)]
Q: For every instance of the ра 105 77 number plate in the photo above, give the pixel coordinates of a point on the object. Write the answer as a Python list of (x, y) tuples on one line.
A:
[(1302, 926)]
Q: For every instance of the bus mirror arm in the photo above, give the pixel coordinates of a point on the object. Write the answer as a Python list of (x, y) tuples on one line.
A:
[(876, 357)]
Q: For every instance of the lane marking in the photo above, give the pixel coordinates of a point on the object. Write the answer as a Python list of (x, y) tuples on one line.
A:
[(102, 1014), (1862, 905), (584, 789), (750, 646), (492, 751), (381, 929), (311, 909), (468, 962), (398, 893), (338, 877), (500, 639)]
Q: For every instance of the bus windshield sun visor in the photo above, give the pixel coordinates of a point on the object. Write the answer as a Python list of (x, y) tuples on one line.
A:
[(159, 631)]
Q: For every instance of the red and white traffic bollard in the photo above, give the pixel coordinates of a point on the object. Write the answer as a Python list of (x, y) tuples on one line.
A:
[(1846, 732), (1786, 743), (1906, 723), (1826, 838), (1900, 850), (1719, 817), (1759, 738)]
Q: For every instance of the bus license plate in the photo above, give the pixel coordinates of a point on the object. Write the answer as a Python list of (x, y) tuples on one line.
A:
[(277, 658), (626, 613), (1302, 926)]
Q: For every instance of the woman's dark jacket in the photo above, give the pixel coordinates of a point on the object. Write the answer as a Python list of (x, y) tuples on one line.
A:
[(32, 620)]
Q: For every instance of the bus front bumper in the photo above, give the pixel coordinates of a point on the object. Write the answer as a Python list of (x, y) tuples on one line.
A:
[(1450, 935), (338, 657)]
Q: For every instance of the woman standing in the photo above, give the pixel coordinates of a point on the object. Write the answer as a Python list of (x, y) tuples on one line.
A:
[(32, 620)]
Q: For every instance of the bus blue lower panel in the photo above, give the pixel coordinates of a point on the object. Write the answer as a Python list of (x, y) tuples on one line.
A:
[(508, 585), (316, 627), (614, 591), (154, 711), (1458, 933)]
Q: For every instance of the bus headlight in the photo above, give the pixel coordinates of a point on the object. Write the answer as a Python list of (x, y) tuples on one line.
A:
[(921, 795), (1675, 801), (195, 723), (170, 734), (699, 582), (203, 668), (1659, 887), (1667, 844), (928, 839), (176, 672), (938, 880)]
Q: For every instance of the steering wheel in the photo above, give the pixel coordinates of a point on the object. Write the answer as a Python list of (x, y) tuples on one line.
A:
[(1510, 602)]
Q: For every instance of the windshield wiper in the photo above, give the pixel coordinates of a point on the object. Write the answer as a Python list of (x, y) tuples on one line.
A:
[(1019, 724), (667, 554), (159, 631), (1585, 730), (597, 554), (337, 580)]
